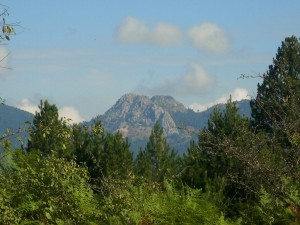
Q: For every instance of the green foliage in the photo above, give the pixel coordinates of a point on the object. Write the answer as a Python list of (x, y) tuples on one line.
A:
[(275, 211), (105, 155), (146, 203), (210, 156), (48, 191), (49, 133), (275, 111), (222, 162), (276, 106), (157, 161)]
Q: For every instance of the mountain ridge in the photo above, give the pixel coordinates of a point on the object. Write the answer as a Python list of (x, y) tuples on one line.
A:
[(134, 116)]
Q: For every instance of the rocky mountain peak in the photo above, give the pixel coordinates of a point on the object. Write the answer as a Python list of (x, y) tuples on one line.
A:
[(132, 97), (137, 114), (168, 103)]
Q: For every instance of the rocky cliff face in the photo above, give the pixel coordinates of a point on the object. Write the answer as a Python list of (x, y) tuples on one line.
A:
[(138, 110), (135, 115), (168, 103)]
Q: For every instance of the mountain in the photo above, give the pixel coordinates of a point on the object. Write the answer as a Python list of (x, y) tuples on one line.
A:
[(135, 115), (14, 119)]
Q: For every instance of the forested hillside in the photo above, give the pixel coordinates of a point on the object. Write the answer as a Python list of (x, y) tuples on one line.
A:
[(14, 120), (239, 171)]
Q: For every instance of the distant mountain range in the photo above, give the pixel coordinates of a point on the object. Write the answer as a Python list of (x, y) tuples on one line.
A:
[(134, 116)]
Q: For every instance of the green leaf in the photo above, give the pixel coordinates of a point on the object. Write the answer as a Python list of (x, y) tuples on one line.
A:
[(48, 215)]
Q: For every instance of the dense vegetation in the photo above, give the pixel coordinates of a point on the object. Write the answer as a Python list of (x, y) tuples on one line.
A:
[(241, 171)]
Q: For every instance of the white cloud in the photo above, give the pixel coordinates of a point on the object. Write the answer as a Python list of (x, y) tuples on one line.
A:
[(28, 106), (209, 37), (192, 82), (67, 112), (133, 30), (237, 95), (197, 107)]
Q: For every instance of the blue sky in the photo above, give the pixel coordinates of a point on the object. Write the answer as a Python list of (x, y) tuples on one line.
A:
[(84, 55)]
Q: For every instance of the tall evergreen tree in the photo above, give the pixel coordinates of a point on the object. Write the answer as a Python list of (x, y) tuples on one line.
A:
[(157, 161), (117, 156), (49, 133), (276, 106), (210, 153), (195, 166), (106, 155), (213, 164)]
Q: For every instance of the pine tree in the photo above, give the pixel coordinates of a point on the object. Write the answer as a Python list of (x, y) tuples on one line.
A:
[(212, 141), (275, 108), (213, 165), (49, 133), (195, 167), (106, 155), (157, 161), (117, 156)]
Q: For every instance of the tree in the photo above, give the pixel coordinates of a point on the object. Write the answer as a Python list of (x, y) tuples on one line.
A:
[(276, 106), (49, 133), (194, 167), (117, 156), (106, 155), (157, 161), (217, 164), (36, 190), (209, 154), (275, 110)]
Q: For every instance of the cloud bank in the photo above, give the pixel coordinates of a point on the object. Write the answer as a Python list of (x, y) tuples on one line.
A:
[(133, 30), (237, 95), (209, 38), (206, 37), (194, 81), (67, 112), (28, 106)]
